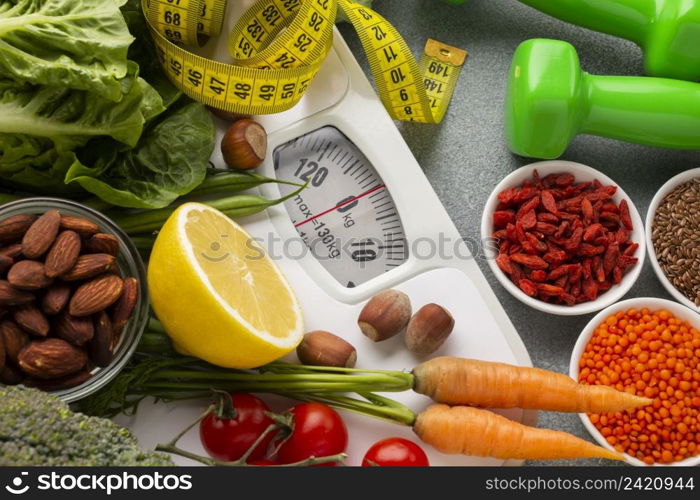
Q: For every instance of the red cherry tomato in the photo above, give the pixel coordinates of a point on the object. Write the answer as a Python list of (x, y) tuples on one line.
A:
[(318, 432), (395, 452), (229, 438)]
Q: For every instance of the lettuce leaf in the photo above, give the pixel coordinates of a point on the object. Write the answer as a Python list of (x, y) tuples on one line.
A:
[(81, 44), (170, 160), (70, 117)]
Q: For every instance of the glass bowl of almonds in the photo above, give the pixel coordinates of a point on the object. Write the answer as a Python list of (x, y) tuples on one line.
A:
[(673, 237), (73, 297)]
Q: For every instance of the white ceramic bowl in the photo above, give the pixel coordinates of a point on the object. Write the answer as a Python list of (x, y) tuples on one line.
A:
[(583, 173), (679, 179), (653, 304)]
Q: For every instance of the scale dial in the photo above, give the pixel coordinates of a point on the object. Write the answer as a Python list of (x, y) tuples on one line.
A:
[(346, 216)]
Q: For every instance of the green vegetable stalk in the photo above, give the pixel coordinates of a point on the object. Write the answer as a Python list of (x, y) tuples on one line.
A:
[(157, 371), (234, 206)]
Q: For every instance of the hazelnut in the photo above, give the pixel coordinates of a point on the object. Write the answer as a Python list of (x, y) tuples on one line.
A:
[(244, 145), (428, 329), (325, 349), (385, 315)]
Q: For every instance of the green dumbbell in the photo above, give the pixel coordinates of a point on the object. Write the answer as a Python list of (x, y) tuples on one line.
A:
[(667, 30), (550, 100)]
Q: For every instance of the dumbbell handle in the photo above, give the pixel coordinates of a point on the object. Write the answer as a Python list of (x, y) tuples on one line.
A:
[(653, 111), (629, 19)]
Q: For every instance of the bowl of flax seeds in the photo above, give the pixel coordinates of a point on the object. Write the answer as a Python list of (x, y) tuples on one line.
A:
[(673, 237)]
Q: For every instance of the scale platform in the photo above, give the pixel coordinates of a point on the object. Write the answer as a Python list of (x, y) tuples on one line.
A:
[(369, 220)]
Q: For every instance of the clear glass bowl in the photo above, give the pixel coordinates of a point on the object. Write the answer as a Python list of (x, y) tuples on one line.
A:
[(130, 264)]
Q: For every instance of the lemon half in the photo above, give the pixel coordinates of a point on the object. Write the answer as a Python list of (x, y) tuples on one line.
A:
[(218, 294)]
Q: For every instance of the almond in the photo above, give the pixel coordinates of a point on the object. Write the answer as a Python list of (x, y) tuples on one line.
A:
[(14, 339), (41, 234), (77, 331), (59, 384), (11, 376), (88, 266), (2, 353), (32, 320), (51, 358), (55, 298), (5, 263), (13, 228), (95, 295), (28, 275), (11, 296), (63, 254), (80, 225), (124, 307), (13, 251), (102, 243), (100, 347)]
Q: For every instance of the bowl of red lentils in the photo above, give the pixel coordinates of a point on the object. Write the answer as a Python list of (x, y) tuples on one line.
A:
[(649, 347), (563, 238)]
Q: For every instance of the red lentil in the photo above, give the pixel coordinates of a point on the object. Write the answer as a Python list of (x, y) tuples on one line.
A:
[(653, 354)]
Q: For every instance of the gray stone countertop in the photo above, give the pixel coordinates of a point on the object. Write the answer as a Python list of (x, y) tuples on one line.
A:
[(466, 156)]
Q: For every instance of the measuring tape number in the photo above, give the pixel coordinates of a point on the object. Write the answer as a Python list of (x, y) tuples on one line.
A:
[(278, 47)]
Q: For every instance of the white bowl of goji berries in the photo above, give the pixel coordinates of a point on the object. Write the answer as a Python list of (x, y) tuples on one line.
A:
[(563, 237)]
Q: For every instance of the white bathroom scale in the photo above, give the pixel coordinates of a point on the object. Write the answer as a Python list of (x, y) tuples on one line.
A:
[(368, 220)]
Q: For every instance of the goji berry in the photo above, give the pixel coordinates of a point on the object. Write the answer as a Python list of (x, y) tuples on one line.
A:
[(531, 261), (502, 218), (501, 234), (590, 289), (610, 260), (506, 197), (551, 290), (587, 209), (599, 269), (539, 245), (555, 256), (625, 216), (547, 217), (546, 228), (504, 263), (617, 275), (528, 220), (593, 231), (630, 250), (622, 236), (548, 202), (575, 240), (538, 275), (528, 206), (525, 193), (564, 180), (528, 287), (563, 228), (586, 250)]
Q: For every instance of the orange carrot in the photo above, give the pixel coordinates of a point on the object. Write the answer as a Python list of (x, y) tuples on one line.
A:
[(475, 432), (458, 381)]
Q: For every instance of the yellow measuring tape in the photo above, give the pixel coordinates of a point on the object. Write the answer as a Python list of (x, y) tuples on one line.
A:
[(278, 47)]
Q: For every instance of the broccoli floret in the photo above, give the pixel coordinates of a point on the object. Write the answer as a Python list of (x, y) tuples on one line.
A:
[(37, 428)]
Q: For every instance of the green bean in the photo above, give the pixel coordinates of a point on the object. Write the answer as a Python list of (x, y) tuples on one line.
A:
[(233, 206), (219, 181)]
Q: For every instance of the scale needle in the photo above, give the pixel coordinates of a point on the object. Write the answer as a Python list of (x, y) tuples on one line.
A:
[(341, 205)]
